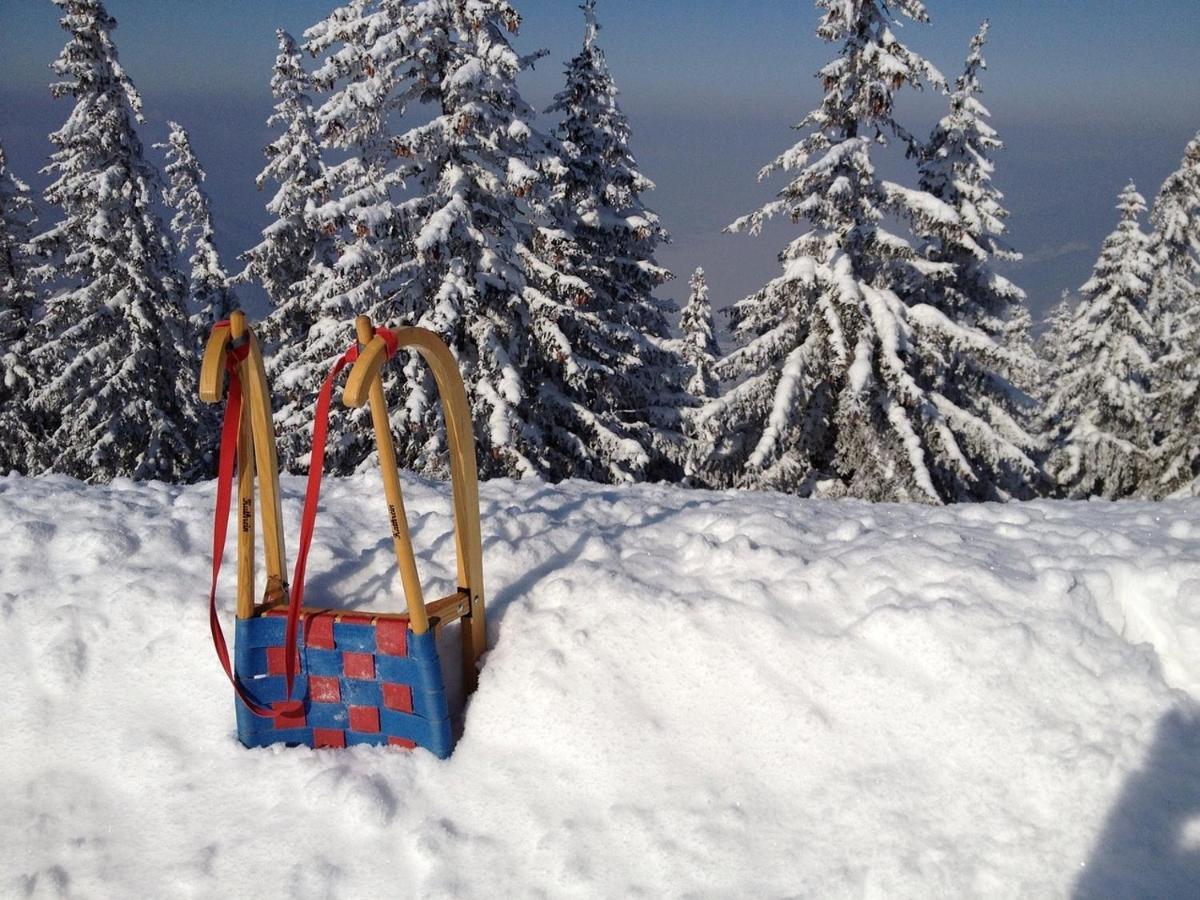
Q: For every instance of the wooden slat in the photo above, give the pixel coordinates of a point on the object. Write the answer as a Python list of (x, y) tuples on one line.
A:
[(254, 380), (463, 471), (245, 493), (401, 539), (245, 517), (212, 366)]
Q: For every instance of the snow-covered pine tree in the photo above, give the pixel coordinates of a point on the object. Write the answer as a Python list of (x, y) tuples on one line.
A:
[(114, 353), (1052, 345), (473, 168), (1100, 415), (1175, 299), (700, 352), (610, 382), (294, 255), (208, 287), (991, 366), (17, 300), (340, 229), (433, 225), (700, 348), (842, 356)]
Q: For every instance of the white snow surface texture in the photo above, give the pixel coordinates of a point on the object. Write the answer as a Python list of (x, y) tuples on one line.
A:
[(688, 694)]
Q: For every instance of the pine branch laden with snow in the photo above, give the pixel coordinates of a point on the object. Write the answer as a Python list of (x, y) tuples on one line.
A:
[(1101, 414), (293, 259), (610, 382), (208, 286), (18, 297), (114, 353), (1175, 300), (839, 379)]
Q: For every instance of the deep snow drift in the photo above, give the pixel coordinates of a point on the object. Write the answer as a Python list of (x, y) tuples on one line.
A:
[(689, 693)]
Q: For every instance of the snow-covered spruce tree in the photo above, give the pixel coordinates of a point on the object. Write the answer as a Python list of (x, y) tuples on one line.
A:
[(433, 228), (17, 300), (700, 347), (114, 353), (610, 383), (991, 366), (700, 352), (1051, 347), (208, 287), (1175, 300), (842, 357), (473, 165), (294, 256), (340, 229), (1100, 414)]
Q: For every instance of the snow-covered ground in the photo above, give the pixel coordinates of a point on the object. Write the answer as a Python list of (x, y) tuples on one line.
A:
[(688, 693)]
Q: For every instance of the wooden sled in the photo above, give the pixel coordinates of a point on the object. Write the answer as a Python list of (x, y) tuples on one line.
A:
[(333, 678)]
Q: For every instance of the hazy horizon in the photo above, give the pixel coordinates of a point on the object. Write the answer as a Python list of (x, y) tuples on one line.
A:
[(1086, 99)]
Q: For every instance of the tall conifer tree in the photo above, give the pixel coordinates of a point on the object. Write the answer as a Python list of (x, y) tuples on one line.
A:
[(1175, 299), (1100, 414), (208, 286), (610, 382), (992, 363), (475, 166), (842, 358), (700, 347), (114, 354), (17, 300), (341, 229)]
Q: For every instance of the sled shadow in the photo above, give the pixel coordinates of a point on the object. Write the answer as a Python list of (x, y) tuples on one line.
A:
[(1150, 845)]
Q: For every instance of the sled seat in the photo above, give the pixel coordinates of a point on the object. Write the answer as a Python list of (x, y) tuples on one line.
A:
[(361, 679)]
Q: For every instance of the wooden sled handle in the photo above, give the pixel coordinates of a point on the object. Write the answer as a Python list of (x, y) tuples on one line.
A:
[(365, 384), (418, 620), (256, 455)]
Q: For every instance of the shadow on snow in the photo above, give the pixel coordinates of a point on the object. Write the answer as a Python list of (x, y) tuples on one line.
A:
[(1150, 845)]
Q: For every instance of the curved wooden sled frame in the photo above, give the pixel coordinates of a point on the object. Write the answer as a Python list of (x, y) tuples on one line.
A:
[(256, 455), (365, 385)]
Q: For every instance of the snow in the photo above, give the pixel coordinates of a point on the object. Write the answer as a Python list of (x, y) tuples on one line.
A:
[(689, 693)]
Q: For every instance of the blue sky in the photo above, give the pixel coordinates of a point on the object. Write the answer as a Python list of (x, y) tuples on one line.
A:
[(1087, 94)]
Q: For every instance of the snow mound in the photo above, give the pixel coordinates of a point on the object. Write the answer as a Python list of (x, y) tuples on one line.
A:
[(689, 693)]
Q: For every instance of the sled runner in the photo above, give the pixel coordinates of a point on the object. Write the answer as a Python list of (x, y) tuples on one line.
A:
[(324, 677)]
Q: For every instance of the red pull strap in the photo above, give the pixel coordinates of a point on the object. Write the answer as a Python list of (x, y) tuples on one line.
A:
[(316, 468), (312, 493), (228, 455)]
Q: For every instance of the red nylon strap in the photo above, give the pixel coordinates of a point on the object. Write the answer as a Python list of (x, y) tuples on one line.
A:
[(390, 341), (228, 456), (316, 468)]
